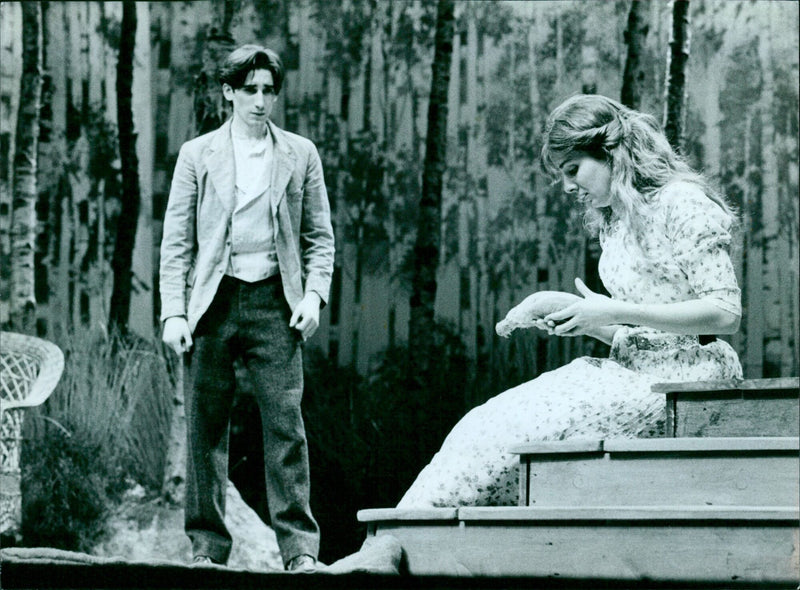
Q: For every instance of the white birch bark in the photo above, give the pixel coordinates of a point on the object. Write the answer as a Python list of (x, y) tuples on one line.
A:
[(23, 210)]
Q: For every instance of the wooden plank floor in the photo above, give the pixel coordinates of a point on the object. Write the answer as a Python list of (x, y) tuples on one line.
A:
[(30, 576)]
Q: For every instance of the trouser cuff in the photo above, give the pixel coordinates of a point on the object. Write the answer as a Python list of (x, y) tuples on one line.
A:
[(210, 545)]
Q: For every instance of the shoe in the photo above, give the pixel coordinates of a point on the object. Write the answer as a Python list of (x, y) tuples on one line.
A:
[(302, 564), (202, 560)]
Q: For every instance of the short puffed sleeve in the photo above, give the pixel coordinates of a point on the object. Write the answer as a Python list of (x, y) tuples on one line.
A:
[(699, 232)]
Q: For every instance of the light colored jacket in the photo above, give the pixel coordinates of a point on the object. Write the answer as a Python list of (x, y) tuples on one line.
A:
[(195, 247)]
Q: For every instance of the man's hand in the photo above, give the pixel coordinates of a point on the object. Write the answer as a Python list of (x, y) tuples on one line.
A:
[(305, 317), (176, 334)]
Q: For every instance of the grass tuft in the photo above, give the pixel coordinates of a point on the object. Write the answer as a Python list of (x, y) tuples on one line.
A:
[(104, 428)]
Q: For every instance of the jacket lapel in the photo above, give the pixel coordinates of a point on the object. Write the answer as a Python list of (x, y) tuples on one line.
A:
[(220, 165), (282, 166)]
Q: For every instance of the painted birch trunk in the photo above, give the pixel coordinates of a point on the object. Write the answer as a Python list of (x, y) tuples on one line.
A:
[(634, 74), (675, 101), (23, 210)]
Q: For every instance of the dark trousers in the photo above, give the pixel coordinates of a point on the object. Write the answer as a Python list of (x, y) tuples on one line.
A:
[(248, 322)]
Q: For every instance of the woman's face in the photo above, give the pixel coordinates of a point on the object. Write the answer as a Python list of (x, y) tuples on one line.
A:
[(587, 177)]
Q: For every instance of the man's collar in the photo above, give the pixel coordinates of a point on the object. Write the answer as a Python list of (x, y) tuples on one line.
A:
[(241, 130)]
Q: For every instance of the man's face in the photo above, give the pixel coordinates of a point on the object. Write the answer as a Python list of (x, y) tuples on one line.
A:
[(253, 102)]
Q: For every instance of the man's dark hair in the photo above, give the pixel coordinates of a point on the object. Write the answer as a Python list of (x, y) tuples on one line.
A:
[(244, 59)]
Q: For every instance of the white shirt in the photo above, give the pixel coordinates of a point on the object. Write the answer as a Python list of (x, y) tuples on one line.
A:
[(253, 253)]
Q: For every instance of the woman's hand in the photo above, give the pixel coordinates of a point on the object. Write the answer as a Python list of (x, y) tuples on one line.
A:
[(584, 317), (596, 314), (545, 326)]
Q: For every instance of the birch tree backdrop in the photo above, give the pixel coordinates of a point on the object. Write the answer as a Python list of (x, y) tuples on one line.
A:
[(358, 84)]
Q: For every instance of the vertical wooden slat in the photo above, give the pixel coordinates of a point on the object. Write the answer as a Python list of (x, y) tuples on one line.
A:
[(185, 22), (524, 498), (95, 53), (95, 60), (69, 224), (671, 425), (754, 309), (102, 283), (772, 265), (781, 168), (142, 297), (57, 68), (10, 72), (481, 337)]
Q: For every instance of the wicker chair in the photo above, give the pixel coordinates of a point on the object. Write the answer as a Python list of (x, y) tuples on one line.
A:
[(30, 369)]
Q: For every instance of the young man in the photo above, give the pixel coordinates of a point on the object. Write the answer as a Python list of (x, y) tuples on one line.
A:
[(246, 264)]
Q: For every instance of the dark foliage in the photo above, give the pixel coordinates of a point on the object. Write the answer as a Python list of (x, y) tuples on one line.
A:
[(66, 492)]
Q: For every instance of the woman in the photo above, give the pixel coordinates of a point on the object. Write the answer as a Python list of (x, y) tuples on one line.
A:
[(665, 238)]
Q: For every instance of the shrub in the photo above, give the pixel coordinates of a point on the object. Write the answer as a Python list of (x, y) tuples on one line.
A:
[(106, 424), (66, 487)]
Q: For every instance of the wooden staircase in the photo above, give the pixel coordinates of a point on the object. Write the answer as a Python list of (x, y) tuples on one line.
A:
[(742, 407), (720, 509)]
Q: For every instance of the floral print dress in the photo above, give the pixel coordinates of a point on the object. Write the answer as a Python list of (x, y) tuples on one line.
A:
[(684, 255)]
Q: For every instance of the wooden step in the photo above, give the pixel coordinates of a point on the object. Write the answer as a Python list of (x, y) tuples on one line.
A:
[(661, 543), (726, 471), (736, 407)]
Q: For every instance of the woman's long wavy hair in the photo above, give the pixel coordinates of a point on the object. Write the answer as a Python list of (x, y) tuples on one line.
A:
[(641, 159)]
